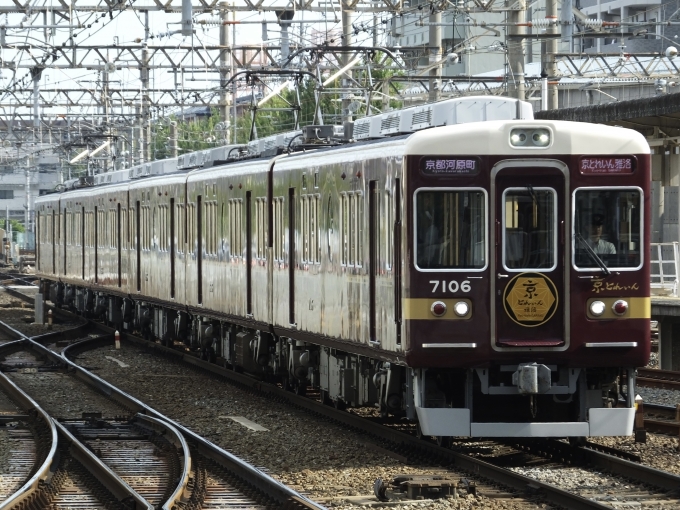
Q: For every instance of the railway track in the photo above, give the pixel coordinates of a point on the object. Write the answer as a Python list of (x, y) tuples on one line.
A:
[(208, 477), (406, 445), (654, 378), (60, 472)]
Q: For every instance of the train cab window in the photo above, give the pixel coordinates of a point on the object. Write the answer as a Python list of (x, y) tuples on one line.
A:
[(607, 228), (530, 228), (451, 229)]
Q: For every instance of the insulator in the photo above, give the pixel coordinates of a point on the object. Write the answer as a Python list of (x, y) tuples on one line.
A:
[(210, 22), (591, 22), (543, 23)]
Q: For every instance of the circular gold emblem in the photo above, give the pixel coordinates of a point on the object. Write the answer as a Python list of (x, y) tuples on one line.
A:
[(530, 299)]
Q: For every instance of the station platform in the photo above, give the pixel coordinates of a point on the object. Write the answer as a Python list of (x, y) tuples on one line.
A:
[(666, 310)]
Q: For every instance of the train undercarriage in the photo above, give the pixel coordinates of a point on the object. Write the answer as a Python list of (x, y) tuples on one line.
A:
[(527, 399)]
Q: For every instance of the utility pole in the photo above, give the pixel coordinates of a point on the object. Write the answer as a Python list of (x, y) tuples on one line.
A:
[(233, 70), (105, 102), (516, 47), (224, 62), (144, 119), (347, 15), (435, 53), (548, 58), (173, 140)]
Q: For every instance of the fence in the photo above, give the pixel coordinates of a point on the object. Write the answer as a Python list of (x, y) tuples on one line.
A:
[(665, 259)]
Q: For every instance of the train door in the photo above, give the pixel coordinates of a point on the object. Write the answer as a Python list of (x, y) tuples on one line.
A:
[(172, 248), (55, 242), (373, 259), (65, 236), (291, 256), (199, 254), (138, 244), (119, 244), (249, 254), (95, 219), (530, 291)]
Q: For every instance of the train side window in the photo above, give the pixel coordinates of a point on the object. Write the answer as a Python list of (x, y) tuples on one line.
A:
[(451, 229), (279, 230), (191, 228), (304, 224), (179, 209), (330, 228), (236, 227), (607, 228), (123, 229), (132, 227), (530, 228), (67, 228), (112, 229), (389, 229), (260, 225), (77, 229), (344, 229)]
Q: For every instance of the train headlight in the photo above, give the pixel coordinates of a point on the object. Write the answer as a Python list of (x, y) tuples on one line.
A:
[(518, 137), (597, 308), (620, 307), (541, 138), (438, 308), (523, 137), (461, 308)]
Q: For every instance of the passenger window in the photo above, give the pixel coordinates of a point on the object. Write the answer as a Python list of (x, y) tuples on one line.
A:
[(451, 231), (530, 228), (607, 228)]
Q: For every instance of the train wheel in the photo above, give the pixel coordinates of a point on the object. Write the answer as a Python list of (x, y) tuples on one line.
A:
[(575, 441), (325, 399), (419, 431), (444, 441), (339, 405), (300, 388)]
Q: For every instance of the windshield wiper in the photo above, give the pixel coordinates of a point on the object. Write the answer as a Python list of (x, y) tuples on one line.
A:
[(592, 254)]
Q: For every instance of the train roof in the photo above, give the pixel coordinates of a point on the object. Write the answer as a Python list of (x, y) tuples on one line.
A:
[(493, 137)]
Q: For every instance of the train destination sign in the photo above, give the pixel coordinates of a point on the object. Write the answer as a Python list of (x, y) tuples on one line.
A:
[(606, 165), (449, 166)]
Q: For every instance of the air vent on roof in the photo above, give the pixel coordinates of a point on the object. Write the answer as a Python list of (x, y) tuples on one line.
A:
[(397, 122), (367, 127), (254, 147), (389, 123), (422, 117)]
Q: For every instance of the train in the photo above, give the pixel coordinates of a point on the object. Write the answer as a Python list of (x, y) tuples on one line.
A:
[(457, 265)]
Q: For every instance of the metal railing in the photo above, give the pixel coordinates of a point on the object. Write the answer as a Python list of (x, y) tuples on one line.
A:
[(665, 260)]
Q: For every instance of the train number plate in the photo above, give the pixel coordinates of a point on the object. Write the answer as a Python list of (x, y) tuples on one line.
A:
[(451, 286)]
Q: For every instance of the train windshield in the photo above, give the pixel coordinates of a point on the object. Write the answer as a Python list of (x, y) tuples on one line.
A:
[(530, 232), (607, 228), (451, 229)]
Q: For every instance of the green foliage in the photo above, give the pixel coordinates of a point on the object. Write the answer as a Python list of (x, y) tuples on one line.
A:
[(192, 135), (279, 113), (16, 226)]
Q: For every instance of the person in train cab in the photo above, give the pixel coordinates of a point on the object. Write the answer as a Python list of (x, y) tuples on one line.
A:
[(599, 245)]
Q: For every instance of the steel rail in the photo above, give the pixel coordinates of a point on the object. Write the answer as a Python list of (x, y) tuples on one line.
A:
[(29, 489), (173, 436), (105, 475), (278, 491), (654, 378), (507, 478), (113, 483)]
